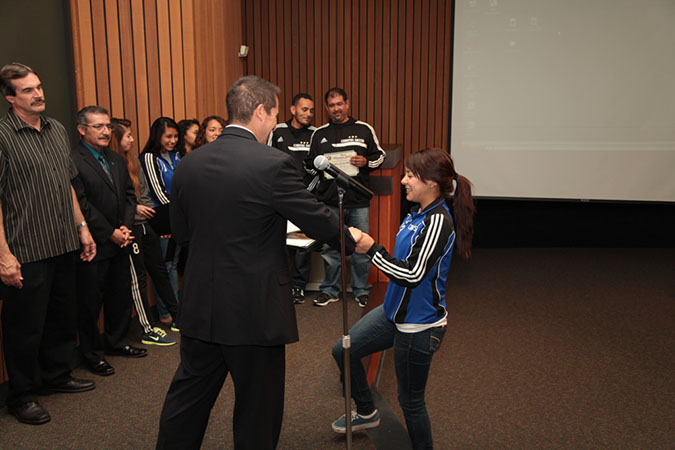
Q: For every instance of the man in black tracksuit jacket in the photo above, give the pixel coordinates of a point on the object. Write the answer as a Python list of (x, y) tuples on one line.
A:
[(293, 137), (343, 134)]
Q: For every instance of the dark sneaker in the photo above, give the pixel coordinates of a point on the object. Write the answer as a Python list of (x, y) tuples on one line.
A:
[(359, 422), (323, 299), (298, 296), (363, 300), (174, 327), (157, 337)]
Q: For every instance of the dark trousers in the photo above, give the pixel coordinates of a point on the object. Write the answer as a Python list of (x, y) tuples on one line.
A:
[(302, 266), (39, 326), (258, 375), (104, 283), (146, 255)]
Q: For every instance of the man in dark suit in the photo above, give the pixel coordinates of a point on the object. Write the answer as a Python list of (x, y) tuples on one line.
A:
[(108, 203), (229, 202)]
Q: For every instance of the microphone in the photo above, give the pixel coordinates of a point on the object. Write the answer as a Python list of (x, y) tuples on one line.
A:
[(344, 180)]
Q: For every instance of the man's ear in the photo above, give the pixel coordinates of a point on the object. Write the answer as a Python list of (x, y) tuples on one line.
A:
[(81, 130), (260, 111), (10, 98), (292, 110)]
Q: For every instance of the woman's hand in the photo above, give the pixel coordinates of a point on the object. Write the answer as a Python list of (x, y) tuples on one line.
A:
[(145, 211)]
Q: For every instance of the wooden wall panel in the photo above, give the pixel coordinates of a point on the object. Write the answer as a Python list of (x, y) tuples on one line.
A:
[(83, 55), (143, 59), (187, 13), (140, 74), (391, 56), (113, 38), (127, 61), (177, 65)]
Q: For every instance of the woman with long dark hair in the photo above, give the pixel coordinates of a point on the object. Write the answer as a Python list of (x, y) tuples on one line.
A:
[(209, 130), (159, 160), (187, 136), (146, 252), (413, 317)]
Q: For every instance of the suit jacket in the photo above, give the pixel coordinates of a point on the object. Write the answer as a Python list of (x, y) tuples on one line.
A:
[(105, 205), (230, 200)]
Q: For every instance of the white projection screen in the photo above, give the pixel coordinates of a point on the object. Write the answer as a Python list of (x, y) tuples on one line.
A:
[(565, 99)]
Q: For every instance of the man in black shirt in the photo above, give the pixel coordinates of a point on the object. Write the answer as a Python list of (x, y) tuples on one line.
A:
[(41, 227), (293, 137)]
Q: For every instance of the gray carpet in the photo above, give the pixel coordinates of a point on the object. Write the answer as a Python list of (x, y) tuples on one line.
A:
[(546, 348)]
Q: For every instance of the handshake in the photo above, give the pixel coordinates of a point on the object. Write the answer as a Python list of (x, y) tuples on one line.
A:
[(363, 240)]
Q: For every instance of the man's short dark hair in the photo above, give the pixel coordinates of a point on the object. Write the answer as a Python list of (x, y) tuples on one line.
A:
[(246, 94), (297, 98), (12, 71), (81, 118), (334, 92)]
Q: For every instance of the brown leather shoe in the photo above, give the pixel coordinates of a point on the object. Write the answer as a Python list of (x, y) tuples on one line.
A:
[(31, 413)]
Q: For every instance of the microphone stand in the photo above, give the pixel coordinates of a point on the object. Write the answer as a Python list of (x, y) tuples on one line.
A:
[(346, 340)]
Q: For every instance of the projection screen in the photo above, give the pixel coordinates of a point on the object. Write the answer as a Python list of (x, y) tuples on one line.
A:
[(565, 99)]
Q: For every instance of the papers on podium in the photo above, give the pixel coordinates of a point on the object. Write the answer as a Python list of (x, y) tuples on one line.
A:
[(295, 238)]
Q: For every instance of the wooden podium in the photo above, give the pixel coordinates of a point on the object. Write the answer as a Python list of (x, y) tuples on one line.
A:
[(385, 207)]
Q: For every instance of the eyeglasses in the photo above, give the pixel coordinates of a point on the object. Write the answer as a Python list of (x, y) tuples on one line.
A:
[(100, 126)]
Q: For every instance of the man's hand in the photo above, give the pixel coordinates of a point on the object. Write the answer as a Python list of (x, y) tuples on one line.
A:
[(364, 244), (121, 236), (88, 244), (358, 161), (128, 234), (145, 211), (10, 270), (356, 234)]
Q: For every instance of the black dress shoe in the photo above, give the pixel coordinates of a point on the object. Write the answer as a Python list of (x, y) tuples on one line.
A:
[(31, 413), (101, 367), (128, 351), (71, 385)]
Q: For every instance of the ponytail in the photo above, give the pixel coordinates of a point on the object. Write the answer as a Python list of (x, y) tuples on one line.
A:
[(464, 210)]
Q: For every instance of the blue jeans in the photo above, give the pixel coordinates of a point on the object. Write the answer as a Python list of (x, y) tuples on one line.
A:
[(358, 218), (171, 266), (412, 357)]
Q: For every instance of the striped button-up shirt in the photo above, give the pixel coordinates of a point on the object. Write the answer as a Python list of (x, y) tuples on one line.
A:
[(35, 174)]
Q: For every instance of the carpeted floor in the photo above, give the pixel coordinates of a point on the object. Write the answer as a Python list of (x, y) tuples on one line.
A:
[(546, 348)]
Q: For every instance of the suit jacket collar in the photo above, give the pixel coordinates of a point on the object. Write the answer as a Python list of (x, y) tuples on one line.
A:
[(93, 162), (240, 131)]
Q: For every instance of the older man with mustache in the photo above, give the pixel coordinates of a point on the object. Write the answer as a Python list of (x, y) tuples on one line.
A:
[(108, 203), (41, 228)]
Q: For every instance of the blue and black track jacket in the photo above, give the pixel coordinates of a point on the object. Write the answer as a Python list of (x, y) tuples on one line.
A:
[(419, 267), (159, 173)]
